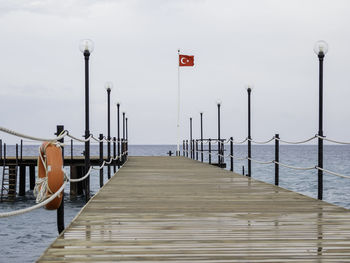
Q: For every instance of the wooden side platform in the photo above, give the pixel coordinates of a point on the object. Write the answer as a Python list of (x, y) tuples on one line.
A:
[(32, 160), (173, 209)]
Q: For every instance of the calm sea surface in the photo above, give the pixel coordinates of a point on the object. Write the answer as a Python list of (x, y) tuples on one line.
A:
[(23, 238)]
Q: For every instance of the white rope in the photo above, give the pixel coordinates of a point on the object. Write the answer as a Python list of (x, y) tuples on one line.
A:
[(97, 168), (260, 162), (61, 136), (238, 158), (48, 200), (294, 167), (80, 140), (241, 142), (65, 133), (100, 167), (110, 161), (265, 142), (330, 140), (104, 163), (25, 210), (82, 178), (330, 172), (207, 141), (111, 140), (96, 139), (104, 139), (40, 189), (300, 142), (116, 158)]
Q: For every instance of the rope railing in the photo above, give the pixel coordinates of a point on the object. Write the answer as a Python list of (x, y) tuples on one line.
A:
[(260, 162), (98, 140), (288, 166), (12, 132), (294, 167), (40, 202), (273, 161), (297, 142), (80, 140), (222, 143), (206, 141), (333, 173), (60, 137), (82, 178), (29, 209), (53, 196), (330, 140), (262, 142), (240, 142), (226, 141), (237, 158), (110, 161), (229, 140)]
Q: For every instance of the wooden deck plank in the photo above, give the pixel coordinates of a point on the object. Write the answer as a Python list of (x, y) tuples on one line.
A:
[(173, 209)]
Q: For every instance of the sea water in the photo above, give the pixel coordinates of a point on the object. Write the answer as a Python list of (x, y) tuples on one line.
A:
[(24, 238)]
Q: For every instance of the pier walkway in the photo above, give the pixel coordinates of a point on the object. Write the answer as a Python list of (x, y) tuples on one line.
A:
[(174, 209)]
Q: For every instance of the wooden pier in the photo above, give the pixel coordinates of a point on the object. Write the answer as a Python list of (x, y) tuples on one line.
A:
[(174, 209)]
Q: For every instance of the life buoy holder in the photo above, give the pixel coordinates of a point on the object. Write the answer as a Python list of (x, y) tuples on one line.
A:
[(50, 174)]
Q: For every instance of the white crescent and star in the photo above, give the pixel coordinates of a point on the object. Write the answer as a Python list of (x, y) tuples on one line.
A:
[(184, 62)]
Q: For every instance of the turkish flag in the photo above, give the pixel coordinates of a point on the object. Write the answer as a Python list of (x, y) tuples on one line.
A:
[(186, 61)]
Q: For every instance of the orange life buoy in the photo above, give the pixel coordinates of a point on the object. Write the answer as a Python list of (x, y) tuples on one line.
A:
[(50, 165)]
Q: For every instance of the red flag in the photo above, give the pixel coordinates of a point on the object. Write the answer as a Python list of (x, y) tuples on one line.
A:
[(186, 61)]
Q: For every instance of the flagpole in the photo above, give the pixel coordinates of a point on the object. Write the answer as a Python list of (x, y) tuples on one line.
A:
[(178, 105)]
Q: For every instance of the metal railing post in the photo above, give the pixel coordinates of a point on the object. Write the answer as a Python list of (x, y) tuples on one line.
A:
[(222, 150), (277, 159), (114, 154), (249, 136), (209, 151), (101, 159), (191, 146), (183, 148), (231, 153), (22, 173), (60, 210), (186, 148), (219, 152), (201, 136), (193, 150)]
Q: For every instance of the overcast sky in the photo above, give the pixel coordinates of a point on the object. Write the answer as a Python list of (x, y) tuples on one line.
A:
[(265, 43)]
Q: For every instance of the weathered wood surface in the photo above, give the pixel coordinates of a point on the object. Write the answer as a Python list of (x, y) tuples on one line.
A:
[(173, 209)]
